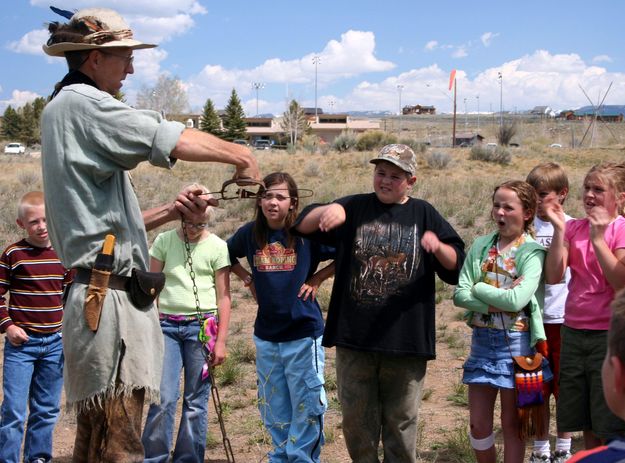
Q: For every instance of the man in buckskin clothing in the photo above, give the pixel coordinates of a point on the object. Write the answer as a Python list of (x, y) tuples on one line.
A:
[(90, 141)]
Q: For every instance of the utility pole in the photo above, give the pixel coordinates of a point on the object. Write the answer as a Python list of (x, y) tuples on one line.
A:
[(316, 60), (500, 76), (453, 142), (257, 86), (399, 112)]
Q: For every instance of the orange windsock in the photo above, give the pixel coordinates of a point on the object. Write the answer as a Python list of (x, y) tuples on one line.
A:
[(452, 77)]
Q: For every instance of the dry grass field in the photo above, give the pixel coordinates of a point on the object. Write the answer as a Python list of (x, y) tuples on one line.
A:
[(460, 190)]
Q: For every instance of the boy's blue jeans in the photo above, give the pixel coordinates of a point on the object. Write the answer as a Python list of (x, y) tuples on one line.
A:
[(32, 379), (182, 349), (291, 398)]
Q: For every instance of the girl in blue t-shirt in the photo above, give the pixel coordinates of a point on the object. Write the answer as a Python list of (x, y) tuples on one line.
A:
[(289, 325)]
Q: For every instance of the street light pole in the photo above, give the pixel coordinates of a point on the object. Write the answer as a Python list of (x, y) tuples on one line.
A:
[(500, 77), (257, 86), (399, 89), (316, 60)]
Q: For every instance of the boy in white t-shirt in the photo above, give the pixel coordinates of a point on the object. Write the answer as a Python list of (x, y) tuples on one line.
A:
[(551, 184)]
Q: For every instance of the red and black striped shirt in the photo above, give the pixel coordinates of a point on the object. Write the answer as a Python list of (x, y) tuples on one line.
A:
[(34, 278)]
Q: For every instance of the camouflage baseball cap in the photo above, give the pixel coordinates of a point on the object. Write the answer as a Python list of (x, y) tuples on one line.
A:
[(400, 155)]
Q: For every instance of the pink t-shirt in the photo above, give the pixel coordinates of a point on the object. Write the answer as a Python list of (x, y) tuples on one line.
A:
[(590, 294)]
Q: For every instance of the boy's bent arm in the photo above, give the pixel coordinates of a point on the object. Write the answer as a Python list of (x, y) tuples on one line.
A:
[(444, 253), (324, 218)]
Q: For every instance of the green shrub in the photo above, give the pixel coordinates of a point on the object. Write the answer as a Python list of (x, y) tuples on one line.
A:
[(345, 141), (311, 143), (505, 133), (374, 139), (312, 169), (438, 160), (417, 146), (498, 155)]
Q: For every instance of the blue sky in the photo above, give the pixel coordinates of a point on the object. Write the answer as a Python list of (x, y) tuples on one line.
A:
[(544, 50)]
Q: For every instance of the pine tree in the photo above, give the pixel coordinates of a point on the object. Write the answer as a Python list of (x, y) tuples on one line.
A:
[(11, 124), (210, 121), (28, 124), (294, 122), (234, 123)]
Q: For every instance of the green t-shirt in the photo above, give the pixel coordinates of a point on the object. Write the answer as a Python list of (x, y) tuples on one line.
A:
[(208, 256)]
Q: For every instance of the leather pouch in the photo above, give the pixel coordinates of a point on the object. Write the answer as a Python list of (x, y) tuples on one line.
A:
[(145, 287)]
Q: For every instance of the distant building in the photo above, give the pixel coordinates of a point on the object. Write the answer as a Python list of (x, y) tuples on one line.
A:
[(310, 113), (330, 126), (418, 109), (567, 114), (263, 128), (327, 127), (468, 139), (542, 111), (605, 113)]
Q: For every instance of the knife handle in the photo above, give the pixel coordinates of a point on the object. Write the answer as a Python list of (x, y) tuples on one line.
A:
[(109, 245)]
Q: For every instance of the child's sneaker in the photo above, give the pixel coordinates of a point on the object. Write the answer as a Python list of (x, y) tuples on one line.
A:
[(536, 458), (560, 456)]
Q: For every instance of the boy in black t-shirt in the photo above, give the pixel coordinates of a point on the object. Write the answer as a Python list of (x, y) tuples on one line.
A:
[(381, 314)]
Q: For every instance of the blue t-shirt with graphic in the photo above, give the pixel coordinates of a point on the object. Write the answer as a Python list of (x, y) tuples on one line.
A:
[(279, 272)]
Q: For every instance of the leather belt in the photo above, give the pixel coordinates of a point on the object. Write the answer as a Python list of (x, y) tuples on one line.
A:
[(83, 276)]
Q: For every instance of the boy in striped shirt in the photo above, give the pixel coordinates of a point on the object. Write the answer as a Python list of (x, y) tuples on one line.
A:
[(32, 375)]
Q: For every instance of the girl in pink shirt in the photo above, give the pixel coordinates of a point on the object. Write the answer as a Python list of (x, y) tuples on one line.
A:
[(594, 250)]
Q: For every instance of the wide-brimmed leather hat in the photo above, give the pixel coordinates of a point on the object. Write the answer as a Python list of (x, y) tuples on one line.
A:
[(91, 29)]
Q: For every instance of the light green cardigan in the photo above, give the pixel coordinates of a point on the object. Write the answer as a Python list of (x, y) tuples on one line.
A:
[(476, 296)]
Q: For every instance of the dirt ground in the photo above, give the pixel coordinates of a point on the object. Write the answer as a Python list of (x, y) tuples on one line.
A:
[(443, 423)]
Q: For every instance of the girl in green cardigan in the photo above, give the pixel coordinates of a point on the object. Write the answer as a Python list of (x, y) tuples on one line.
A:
[(500, 286)]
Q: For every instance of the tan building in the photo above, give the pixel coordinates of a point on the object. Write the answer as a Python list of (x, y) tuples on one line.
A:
[(327, 127)]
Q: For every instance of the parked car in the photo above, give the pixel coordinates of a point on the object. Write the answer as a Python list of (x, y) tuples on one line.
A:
[(262, 144), (241, 141), (14, 148)]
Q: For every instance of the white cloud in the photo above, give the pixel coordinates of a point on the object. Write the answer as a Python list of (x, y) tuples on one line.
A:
[(540, 78), (30, 43), (161, 29), (602, 59), (18, 99), (460, 52), (431, 45), (350, 56), (487, 38)]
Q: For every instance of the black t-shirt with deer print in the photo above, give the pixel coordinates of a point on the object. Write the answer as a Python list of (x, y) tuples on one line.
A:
[(383, 298)]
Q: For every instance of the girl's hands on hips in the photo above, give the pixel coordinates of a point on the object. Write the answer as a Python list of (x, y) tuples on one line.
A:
[(310, 288)]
